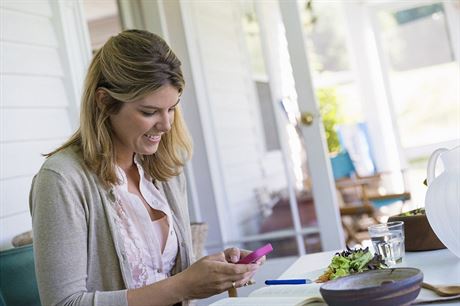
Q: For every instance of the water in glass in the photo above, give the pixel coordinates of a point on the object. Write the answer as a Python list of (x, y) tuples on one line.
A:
[(390, 245)]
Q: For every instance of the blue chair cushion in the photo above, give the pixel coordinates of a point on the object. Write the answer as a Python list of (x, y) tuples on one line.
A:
[(342, 165), (381, 203), (18, 285)]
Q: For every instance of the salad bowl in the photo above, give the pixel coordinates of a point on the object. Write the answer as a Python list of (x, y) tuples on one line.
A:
[(385, 287), (419, 236)]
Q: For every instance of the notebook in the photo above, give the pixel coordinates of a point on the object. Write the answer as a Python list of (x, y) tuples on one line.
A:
[(286, 295)]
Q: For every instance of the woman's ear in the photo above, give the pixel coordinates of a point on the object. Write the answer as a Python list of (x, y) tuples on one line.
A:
[(102, 98)]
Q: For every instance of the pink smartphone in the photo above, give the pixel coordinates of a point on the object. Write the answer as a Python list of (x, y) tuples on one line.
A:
[(254, 256)]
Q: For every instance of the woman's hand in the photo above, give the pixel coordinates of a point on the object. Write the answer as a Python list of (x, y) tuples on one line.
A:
[(233, 255), (213, 274)]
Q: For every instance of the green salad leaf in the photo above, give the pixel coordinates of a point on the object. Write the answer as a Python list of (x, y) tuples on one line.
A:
[(352, 261)]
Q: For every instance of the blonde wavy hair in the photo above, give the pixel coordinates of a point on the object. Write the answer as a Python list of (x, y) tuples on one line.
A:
[(128, 67)]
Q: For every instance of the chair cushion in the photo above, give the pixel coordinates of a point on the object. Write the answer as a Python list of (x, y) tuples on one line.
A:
[(18, 285), (342, 166)]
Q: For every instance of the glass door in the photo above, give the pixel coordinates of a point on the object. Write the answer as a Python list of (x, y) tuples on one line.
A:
[(288, 219)]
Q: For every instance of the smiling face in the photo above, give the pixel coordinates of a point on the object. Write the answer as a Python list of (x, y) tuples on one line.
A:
[(139, 125)]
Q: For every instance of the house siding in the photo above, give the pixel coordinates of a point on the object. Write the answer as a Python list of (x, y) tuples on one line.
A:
[(34, 107)]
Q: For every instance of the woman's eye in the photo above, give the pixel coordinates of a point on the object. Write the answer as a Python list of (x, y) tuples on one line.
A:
[(148, 114)]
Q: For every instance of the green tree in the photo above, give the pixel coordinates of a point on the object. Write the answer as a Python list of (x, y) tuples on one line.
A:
[(331, 116)]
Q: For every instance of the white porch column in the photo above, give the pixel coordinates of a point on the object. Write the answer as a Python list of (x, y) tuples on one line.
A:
[(324, 191), (375, 94), (75, 48)]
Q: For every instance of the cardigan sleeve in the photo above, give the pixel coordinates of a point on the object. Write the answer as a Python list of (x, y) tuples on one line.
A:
[(60, 231)]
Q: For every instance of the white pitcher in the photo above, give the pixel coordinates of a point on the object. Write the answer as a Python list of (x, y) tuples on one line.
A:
[(442, 201)]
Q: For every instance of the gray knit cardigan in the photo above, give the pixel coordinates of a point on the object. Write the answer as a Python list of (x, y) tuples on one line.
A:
[(79, 254)]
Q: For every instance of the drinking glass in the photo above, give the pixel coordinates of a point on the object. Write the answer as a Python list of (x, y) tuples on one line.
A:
[(388, 241)]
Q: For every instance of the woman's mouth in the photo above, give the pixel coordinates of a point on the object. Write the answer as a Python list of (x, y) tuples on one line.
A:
[(153, 138)]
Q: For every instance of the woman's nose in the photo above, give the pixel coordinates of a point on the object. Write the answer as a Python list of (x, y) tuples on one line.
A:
[(164, 124)]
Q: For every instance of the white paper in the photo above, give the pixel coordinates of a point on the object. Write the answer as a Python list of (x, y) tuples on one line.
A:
[(288, 291), (286, 295), (260, 301)]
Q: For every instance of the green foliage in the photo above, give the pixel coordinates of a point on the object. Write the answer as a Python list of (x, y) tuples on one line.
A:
[(331, 115)]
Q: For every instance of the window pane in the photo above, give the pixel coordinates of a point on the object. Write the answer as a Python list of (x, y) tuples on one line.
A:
[(326, 44), (252, 36), (103, 21), (424, 78), (333, 78)]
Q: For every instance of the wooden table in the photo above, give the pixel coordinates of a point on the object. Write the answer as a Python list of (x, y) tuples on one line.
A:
[(438, 267)]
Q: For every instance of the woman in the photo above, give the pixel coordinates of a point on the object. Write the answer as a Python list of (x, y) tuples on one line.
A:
[(109, 209)]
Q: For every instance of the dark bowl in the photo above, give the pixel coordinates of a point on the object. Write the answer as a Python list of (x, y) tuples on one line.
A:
[(387, 287), (418, 234)]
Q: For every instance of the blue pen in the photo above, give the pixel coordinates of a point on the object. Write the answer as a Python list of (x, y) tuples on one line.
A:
[(287, 281)]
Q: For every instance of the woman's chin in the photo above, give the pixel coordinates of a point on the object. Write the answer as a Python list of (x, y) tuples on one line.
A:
[(148, 151)]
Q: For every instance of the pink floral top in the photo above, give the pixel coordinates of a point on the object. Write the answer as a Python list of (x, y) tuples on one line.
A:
[(151, 246)]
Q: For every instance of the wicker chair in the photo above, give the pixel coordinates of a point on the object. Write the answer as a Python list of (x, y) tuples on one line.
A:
[(199, 235), (359, 196)]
